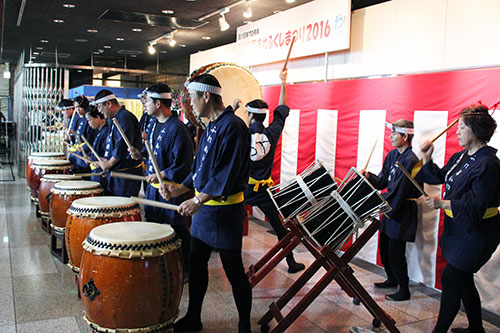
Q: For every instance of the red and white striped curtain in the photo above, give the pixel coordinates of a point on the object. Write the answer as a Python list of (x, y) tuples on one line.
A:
[(338, 123)]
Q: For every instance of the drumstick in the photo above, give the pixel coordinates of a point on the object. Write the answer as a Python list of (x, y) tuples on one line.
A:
[(91, 148), (80, 157), (154, 162), (127, 176), (124, 136), (445, 130), (155, 203), (71, 122), (370, 156), (413, 181), (289, 52), (89, 174), (55, 118)]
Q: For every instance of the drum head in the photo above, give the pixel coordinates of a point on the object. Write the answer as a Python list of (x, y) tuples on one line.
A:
[(46, 154), (105, 206), (53, 178), (51, 163), (77, 184), (236, 82), (131, 239)]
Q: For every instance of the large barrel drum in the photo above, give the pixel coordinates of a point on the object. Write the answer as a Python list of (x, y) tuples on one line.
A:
[(46, 184), (131, 277), (41, 168), (87, 213), (48, 155)]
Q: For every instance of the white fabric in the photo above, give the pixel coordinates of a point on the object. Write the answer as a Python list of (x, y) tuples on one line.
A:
[(259, 146), (104, 99), (402, 130), (290, 146), (326, 143), (198, 86), (142, 93), (257, 110), (165, 95)]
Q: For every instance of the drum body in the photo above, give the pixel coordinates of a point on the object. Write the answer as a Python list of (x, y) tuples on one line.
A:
[(87, 213), (303, 191), (46, 184), (236, 82), (41, 156), (41, 168), (335, 218), (64, 193), (131, 277)]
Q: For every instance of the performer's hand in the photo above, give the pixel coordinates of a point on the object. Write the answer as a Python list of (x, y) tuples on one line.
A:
[(365, 173), (188, 208), (135, 153), (236, 104), (152, 178), (433, 202), (283, 75), (427, 148), (96, 164)]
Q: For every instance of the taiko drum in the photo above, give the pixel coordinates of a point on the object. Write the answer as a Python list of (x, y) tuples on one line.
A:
[(42, 167), (64, 193), (87, 213), (131, 277), (48, 155), (44, 194)]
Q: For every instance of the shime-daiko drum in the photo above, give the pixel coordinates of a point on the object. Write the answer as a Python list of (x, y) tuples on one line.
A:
[(236, 82), (63, 195), (41, 168), (48, 155), (131, 277), (87, 213), (46, 184)]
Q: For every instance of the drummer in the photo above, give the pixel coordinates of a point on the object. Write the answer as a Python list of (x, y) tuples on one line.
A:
[(80, 104), (69, 122), (97, 122), (173, 151), (145, 118), (263, 146), (400, 224), (116, 156), (219, 177)]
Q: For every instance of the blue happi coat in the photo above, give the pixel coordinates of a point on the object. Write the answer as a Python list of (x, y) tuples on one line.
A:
[(82, 128), (221, 169), (261, 170), (472, 184), (173, 151), (116, 147), (99, 146), (401, 223)]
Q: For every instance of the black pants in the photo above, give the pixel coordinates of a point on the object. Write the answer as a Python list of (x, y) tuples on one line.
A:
[(198, 279), (393, 256), (459, 285)]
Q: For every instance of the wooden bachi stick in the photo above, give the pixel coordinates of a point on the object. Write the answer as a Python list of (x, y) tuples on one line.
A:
[(155, 203), (80, 157), (124, 136), (445, 130), (127, 176), (370, 156), (91, 148), (410, 178), (289, 52)]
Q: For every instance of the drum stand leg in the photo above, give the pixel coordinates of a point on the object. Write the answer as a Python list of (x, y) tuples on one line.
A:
[(338, 269), (45, 223), (273, 257), (58, 252)]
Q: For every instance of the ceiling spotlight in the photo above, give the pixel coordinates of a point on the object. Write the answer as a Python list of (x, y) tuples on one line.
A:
[(223, 23), (290, 1), (58, 21), (247, 12), (120, 39), (206, 37), (68, 5), (151, 48), (171, 40), (136, 29), (167, 11), (182, 45), (44, 41), (92, 30), (106, 46)]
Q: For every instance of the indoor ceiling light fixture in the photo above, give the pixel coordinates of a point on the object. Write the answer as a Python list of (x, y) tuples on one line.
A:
[(136, 29), (106, 46), (167, 11), (222, 20), (120, 39), (6, 73), (290, 1), (58, 21), (247, 11), (151, 48), (92, 30), (206, 37), (44, 41), (68, 5), (171, 40)]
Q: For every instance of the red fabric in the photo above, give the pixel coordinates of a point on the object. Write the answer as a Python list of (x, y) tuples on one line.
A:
[(400, 96)]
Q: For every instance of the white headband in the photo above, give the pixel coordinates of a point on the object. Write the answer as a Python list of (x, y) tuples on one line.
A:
[(104, 99), (257, 110), (198, 86), (65, 107), (398, 129), (142, 93), (164, 95)]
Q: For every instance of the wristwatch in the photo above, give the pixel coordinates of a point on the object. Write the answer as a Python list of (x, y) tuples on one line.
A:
[(197, 202)]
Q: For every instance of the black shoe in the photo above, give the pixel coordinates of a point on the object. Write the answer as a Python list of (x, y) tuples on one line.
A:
[(460, 330), (187, 324), (293, 266), (400, 295), (385, 285)]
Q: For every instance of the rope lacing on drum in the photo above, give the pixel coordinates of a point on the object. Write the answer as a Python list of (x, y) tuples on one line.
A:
[(96, 187), (100, 210), (132, 247)]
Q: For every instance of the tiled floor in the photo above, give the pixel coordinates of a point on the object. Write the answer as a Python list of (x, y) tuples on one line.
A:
[(38, 293)]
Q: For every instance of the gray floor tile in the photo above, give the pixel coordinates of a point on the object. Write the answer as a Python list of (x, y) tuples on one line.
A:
[(59, 325), (32, 260), (7, 302), (5, 271), (10, 328)]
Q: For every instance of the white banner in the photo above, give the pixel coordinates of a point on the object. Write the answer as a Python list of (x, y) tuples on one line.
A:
[(319, 26)]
